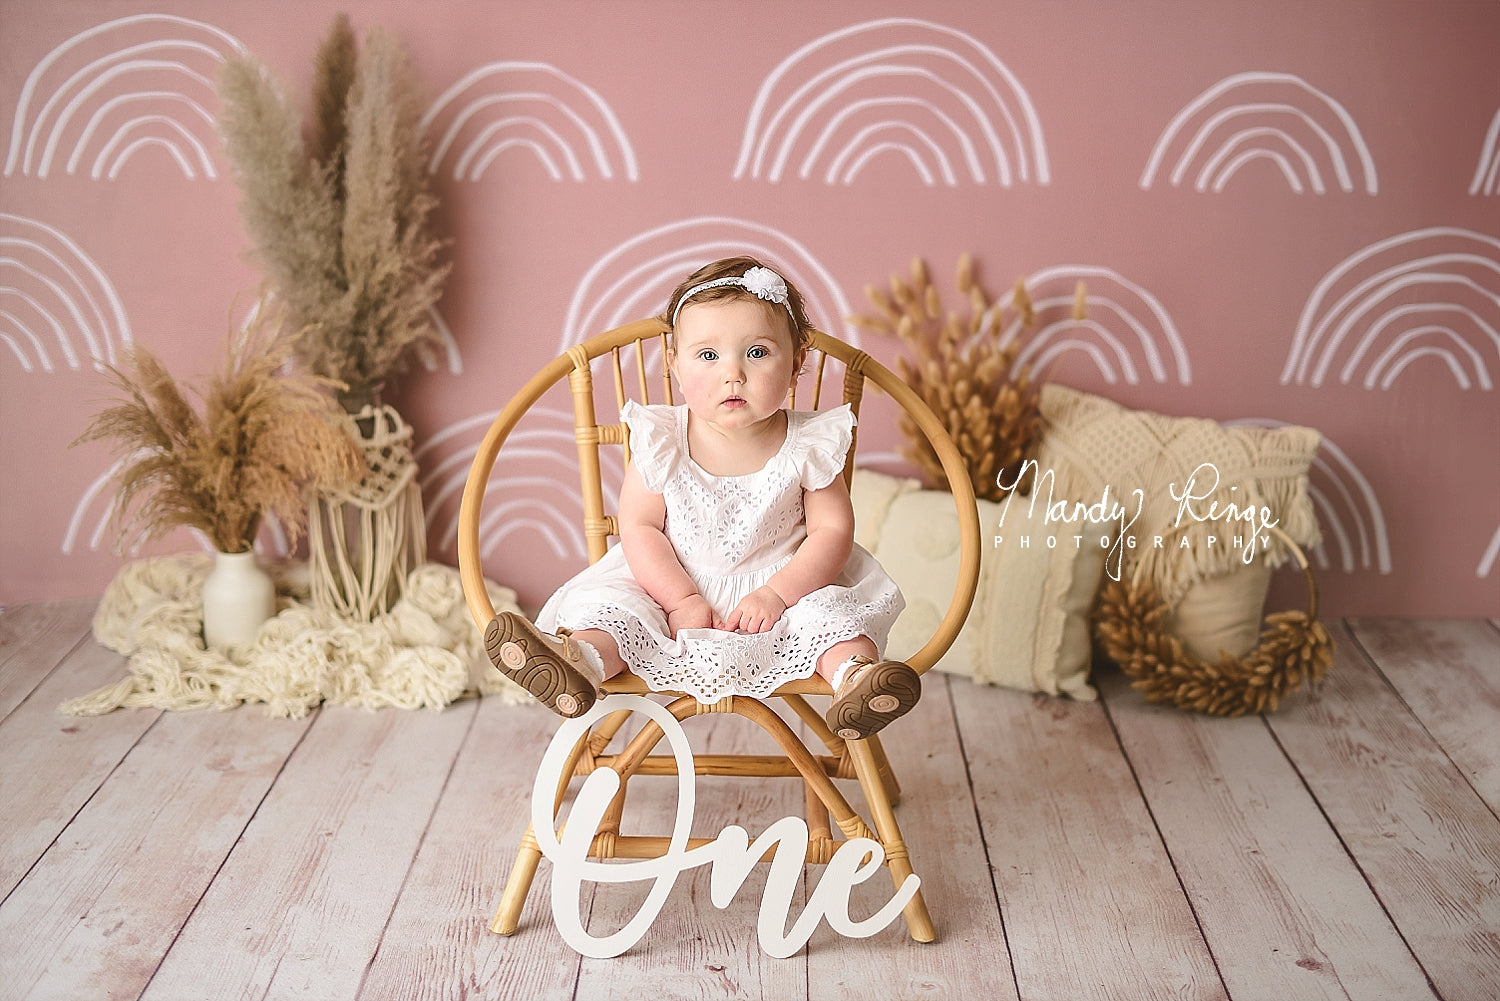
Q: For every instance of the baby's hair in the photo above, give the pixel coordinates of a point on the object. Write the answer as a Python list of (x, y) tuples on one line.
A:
[(734, 267)]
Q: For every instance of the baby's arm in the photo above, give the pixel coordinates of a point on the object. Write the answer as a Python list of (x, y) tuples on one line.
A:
[(652, 560), (817, 563)]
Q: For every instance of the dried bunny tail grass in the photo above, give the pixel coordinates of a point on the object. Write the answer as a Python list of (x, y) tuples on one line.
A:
[(262, 438), (959, 368), (1131, 627)]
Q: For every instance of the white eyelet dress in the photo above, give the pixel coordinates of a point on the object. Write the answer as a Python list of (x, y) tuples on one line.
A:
[(732, 533)]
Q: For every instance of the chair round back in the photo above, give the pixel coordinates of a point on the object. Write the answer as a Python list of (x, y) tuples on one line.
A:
[(576, 364)]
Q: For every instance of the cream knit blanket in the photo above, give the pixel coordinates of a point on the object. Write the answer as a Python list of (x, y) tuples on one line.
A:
[(425, 653)]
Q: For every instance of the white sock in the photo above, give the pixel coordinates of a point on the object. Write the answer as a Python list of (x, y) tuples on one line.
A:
[(843, 669), (593, 664)]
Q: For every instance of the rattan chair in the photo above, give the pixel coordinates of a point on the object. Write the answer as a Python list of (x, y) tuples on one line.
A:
[(863, 760)]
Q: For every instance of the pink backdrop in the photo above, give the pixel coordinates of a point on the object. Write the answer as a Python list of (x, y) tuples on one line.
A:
[(1286, 211)]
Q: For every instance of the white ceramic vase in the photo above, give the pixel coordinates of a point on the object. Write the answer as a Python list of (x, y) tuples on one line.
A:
[(237, 597)]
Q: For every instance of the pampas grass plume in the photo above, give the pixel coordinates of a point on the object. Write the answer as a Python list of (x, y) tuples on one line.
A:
[(263, 436)]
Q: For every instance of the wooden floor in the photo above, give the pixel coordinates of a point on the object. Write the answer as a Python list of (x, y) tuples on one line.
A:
[(1347, 847)]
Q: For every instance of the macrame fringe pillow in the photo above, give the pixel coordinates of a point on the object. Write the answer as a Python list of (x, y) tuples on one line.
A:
[(1089, 443)]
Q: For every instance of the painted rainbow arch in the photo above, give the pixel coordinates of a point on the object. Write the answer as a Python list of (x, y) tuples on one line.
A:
[(927, 94), (533, 488), (57, 307), (1128, 335), (635, 278), (535, 108), (1487, 172), (1429, 295), (1277, 118), (129, 85)]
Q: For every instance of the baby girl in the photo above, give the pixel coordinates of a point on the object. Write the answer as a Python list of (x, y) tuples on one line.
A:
[(737, 569)]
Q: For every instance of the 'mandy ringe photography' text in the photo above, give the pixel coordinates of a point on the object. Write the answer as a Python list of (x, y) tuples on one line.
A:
[(1201, 484)]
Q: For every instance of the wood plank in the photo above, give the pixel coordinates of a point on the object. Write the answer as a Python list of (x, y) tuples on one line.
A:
[(54, 763), (937, 820), (1284, 909), (98, 912), (299, 905), (1092, 906), (438, 943), (693, 949), (1447, 671), (34, 639), (1426, 842)]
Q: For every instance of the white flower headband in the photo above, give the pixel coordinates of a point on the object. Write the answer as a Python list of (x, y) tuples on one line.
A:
[(763, 283)]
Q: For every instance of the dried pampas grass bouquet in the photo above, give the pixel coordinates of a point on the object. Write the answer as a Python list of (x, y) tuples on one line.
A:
[(342, 222), (261, 437), (961, 369)]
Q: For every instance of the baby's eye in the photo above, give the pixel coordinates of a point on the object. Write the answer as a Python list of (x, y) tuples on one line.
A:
[(758, 352), (708, 354)]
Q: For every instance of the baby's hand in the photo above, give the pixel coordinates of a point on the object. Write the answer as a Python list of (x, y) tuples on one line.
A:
[(694, 613), (757, 612)]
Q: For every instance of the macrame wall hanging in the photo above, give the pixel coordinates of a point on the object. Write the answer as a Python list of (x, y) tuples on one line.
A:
[(363, 542)]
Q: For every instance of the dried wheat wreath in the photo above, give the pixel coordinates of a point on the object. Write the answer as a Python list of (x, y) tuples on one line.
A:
[(1293, 646)]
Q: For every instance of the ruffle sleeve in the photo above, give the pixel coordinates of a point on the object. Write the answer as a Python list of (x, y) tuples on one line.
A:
[(653, 442), (823, 441)]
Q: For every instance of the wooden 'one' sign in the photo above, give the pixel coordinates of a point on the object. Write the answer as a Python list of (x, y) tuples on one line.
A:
[(731, 856)]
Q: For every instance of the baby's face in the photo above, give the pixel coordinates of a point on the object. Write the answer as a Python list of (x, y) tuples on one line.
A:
[(734, 361)]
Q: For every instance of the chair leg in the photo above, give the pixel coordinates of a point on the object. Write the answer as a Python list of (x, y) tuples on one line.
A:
[(897, 859), (887, 773), (835, 745), (518, 885)]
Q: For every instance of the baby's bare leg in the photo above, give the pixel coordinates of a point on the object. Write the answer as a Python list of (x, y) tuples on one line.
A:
[(609, 652)]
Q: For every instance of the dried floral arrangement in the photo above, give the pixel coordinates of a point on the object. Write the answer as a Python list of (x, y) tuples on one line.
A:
[(1131, 626), (961, 370), (262, 437), (341, 224)]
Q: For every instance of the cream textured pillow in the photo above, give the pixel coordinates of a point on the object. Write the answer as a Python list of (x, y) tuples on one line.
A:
[(1028, 626), (1223, 614), (1252, 475)]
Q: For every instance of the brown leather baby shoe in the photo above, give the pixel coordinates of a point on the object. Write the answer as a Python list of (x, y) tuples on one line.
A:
[(870, 696), (551, 668)]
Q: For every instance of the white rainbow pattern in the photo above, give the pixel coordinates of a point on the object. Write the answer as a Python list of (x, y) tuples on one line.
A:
[(635, 278), (450, 358), (1428, 294), (529, 106), (533, 487), (1127, 333), (1490, 555), (1487, 173), (135, 83), (53, 297), (930, 94), (1275, 117), (92, 517), (1349, 513)]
